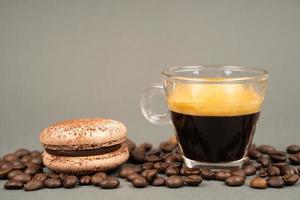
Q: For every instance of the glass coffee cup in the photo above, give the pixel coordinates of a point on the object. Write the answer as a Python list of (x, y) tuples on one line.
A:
[(213, 109)]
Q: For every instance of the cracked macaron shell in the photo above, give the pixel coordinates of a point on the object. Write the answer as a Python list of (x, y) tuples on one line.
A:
[(83, 134)]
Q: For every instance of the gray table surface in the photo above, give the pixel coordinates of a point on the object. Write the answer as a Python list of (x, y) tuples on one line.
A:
[(73, 59)]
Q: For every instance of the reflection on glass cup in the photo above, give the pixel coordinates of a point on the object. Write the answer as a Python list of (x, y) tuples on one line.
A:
[(214, 110)]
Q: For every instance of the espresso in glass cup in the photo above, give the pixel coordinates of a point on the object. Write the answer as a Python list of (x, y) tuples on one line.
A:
[(213, 109)]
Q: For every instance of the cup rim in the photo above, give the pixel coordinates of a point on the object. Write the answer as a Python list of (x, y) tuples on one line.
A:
[(258, 74)]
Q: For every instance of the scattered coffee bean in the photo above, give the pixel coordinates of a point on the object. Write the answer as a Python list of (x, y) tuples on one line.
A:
[(138, 155), (32, 170), (22, 152), (235, 180), (280, 164), (96, 179), (174, 181), (13, 173), (193, 180), (149, 174), (175, 164), (13, 185), (207, 174), (257, 165), (259, 183), (275, 182), (263, 172), (278, 156), (132, 176), (130, 144), (295, 159), (160, 166), (186, 171), (139, 182), (158, 181), (222, 175), (21, 177), (153, 158), (126, 171), (53, 175), (146, 146), (147, 165), (288, 170), (4, 172), (70, 181), (293, 149), (249, 170), (52, 183), (110, 183), (238, 172), (254, 154), (18, 165), (264, 161), (290, 179), (85, 180), (167, 146), (266, 149), (10, 157), (33, 184), (38, 160), (273, 171), (172, 171)]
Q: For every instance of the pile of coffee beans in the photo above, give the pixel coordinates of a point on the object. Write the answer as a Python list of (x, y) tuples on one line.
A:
[(162, 166)]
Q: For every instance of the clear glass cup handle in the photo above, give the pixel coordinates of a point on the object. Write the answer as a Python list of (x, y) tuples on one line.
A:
[(146, 101)]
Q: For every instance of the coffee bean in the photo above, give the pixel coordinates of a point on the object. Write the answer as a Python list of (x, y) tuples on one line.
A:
[(193, 180), (149, 174), (96, 179), (259, 183), (146, 146), (175, 164), (147, 165), (22, 152), (266, 149), (132, 176), (10, 157), (186, 171), (138, 155), (249, 170), (290, 179), (33, 185), (70, 181), (235, 180), (207, 174), (256, 165), (172, 171), (85, 180), (273, 171), (110, 183), (158, 181), (13, 185), (160, 166), (52, 183), (280, 164), (138, 168), (155, 152), (263, 172), (53, 175), (293, 149), (222, 175), (275, 182), (295, 159), (126, 171), (13, 173), (4, 172), (167, 146), (254, 154), (7, 165), (25, 159), (38, 160), (278, 156), (174, 181), (171, 159), (238, 172), (130, 144), (153, 158), (62, 176), (139, 182), (22, 177), (264, 161), (288, 170), (32, 170)]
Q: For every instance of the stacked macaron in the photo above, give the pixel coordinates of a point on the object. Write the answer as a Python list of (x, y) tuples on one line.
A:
[(84, 146)]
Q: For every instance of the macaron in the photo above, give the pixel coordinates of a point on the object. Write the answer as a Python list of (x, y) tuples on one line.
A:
[(84, 146)]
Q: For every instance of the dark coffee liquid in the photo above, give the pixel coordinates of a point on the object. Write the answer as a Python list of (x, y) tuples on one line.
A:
[(214, 138)]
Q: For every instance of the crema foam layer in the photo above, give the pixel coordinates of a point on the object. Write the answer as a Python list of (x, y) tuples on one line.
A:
[(214, 99)]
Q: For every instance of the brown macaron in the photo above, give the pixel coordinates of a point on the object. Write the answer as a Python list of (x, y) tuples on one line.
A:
[(84, 146)]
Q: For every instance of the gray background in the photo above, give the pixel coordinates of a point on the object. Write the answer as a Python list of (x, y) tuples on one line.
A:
[(72, 59)]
